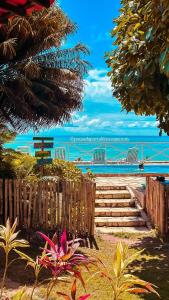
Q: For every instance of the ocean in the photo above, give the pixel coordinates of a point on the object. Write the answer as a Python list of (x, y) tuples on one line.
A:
[(153, 148)]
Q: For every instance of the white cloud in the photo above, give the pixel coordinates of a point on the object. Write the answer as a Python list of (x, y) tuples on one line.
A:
[(105, 124), (133, 124), (98, 86), (93, 122), (119, 123), (148, 124), (79, 119)]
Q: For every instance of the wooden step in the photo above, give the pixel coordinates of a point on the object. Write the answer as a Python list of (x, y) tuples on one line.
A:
[(120, 221), (116, 194), (110, 188), (114, 203), (116, 212), (111, 230)]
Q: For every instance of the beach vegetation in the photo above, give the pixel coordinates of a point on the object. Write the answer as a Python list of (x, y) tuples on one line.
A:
[(139, 61)]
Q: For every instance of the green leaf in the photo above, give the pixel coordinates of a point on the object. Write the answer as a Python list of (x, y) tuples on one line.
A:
[(149, 35), (19, 294), (163, 56)]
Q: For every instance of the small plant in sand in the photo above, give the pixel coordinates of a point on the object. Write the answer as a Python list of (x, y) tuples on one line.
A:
[(9, 242), (121, 281)]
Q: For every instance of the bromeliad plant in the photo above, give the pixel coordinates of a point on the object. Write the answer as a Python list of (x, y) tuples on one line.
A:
[(61, 258), (120, 281), (9, 242)]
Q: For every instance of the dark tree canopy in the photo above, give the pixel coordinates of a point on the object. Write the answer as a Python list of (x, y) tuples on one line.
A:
[(10, 8), (139, 66), (40, 82)]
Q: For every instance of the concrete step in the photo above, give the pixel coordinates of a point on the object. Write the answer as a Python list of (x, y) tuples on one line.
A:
[(117, 212), (111, 230), (116, 194), (110, 188), (114, 203), (120, 221)]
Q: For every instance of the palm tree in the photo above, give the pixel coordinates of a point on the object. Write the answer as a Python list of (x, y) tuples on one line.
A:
[(41, 83)]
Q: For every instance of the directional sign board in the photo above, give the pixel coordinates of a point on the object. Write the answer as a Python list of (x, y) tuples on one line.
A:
[(43, 145), (44, 161), (42, 153), (43, 138)]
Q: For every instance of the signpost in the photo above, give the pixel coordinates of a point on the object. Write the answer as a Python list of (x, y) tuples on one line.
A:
[(46, 161), (43, 155)]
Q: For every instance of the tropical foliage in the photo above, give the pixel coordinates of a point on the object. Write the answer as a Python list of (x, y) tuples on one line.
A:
[(139, 65), (40, 82), (120, 281), (63, 169), (64, 262), (9, 242), (6, 135)]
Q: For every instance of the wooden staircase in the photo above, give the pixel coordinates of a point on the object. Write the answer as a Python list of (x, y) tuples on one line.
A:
[(117, 211)]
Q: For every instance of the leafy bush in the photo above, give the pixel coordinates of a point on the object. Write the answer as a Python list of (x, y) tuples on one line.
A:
[(17, 165), (61, 168)]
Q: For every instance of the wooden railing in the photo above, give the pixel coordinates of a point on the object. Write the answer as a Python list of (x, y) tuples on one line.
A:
[(157, 205), (49, 204)]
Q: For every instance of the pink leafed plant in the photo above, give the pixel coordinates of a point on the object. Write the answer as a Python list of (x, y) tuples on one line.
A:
[(73, 294), (62, 257)]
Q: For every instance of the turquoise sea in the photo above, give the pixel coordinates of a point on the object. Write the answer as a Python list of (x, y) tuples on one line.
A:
[(153, 148)]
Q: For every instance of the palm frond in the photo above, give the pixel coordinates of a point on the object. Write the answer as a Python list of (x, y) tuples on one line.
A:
[(41, 84)]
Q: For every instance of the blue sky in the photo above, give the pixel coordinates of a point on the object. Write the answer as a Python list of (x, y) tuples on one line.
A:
[(101, 113)]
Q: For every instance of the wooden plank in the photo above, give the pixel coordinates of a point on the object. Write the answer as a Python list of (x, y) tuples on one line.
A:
[(73, 192), (93, 208), (47, 204), (79, 186), (21, 202), (58, 200), (43, 145), (163, 211), (6, 200), (30, 206), (10, 201), (39, 203), (43, 138), (85, 207), (42, 153), (1, 197), (36, 199), (14, 199), (24, 204), (17, 184)]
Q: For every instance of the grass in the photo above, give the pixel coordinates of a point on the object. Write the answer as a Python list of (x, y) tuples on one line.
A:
[(153, 266)]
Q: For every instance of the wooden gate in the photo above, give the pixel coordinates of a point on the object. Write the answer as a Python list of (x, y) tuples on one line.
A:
[(49, 204)]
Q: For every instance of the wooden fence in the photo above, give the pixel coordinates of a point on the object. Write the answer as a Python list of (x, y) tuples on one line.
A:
[(49, 204), (157, 205)]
